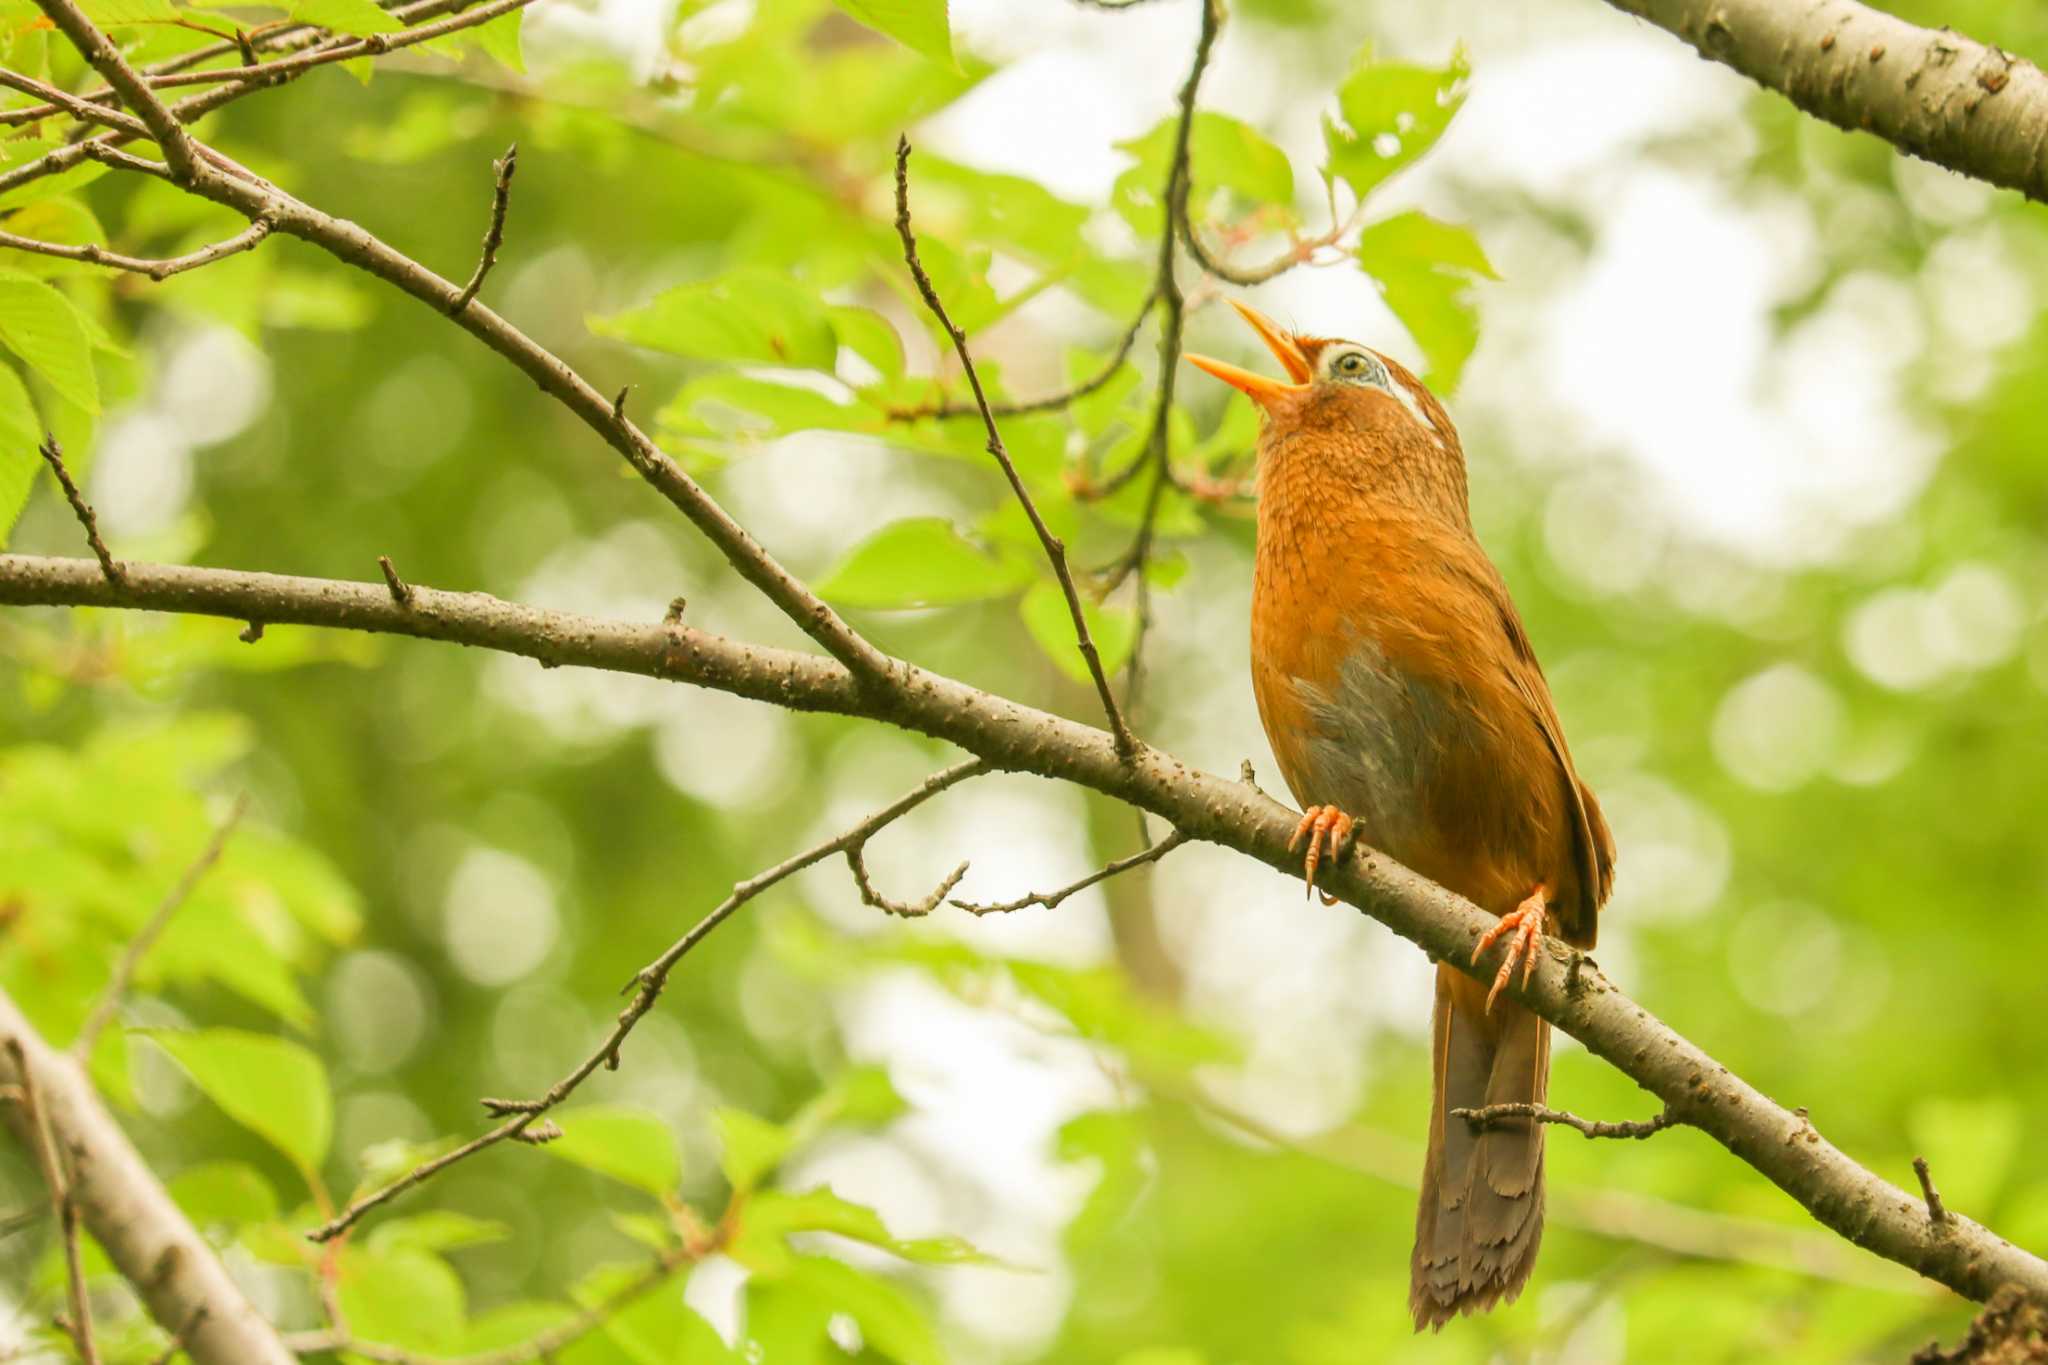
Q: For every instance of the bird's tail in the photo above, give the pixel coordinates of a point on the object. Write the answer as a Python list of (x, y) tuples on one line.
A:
[(1481, 1217)]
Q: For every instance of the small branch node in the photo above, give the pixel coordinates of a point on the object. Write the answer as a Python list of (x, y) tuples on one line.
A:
[(251, 634), (534, 1135), (401, 591), (619, 403), (676, 607), (903, 909), (1051, 899), (1937, 1212)]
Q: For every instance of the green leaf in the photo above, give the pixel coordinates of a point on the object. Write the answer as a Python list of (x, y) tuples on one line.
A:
[(919, 25), (862, 1096), (1113, 629), (271, 1086), (228, 1192), (746, 317), (436, 1230), (749, 1147), (770, 1216), (1425, 269), (870, 336), (653, 1329), (402, 1296), (1388, 115), (891, 1321), (117, 13), (922, 562), (20, 432), (39, 324), (629, 1145), (1226, 157), (360, 17)]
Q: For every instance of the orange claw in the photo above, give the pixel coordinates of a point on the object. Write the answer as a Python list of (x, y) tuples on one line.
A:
[(1525, 921), (1327, 828)]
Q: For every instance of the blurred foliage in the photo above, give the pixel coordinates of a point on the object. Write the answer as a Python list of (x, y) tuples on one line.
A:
[(1827, 770)]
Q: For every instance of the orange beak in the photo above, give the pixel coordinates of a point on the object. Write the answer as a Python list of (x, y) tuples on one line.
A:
[(1267, 393)]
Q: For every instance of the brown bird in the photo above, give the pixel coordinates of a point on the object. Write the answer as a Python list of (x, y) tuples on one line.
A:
[(1403, 700)]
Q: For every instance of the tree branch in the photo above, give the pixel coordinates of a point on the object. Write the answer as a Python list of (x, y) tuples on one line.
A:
[(42, 1141), (1498, 1115), (1051, 899), (494, 235), (53, 456), (1932, 93), (1566, 988), (125, 1208), (1055, 549), (164, 127), (647, 986), (157, 270)]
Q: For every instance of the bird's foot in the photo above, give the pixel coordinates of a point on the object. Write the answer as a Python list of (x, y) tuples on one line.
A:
[(1523, 926), (1329, 831)]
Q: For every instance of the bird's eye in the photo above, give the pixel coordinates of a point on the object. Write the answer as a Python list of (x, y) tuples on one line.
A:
[(1357, 365)]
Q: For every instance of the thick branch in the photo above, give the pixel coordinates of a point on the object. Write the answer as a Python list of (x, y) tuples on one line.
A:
[(1567, 989), (1930, 92), (99, 50), (129, 1214)]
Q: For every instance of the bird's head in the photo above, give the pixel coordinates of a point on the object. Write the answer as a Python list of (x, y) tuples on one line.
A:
[(1350, 393)]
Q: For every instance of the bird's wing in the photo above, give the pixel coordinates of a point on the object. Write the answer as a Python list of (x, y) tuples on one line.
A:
[(1593, 842)]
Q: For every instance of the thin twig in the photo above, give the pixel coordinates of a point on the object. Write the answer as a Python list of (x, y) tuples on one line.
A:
[(1937, 1212), (494, 235), (1495, 1115), (856, 861), (52, 1161), (646, 985), (1055, 549), (131, 957), (1051, 899), (53, 455), (158, 270), (1051, 402)]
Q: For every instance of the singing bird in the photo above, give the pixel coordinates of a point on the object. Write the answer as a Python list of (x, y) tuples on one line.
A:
[(1403, 701)]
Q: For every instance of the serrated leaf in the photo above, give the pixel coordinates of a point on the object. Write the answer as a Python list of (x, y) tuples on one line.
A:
[(922, 562), (746, 317), (1113, 629), (271, 1086), (1388, 115), (749, 1147), (20, 432), (1425, 269), (40, 325), (629, 1145), (919, 25)]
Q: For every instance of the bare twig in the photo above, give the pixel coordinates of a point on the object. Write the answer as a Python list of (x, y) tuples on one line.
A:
[(53, 455), (856, 861), (646, 985), (401, 592), (1055, 549), (494, 235), (1051, 899), (138, 947), (1496, 1115), (51, 1158), (158, 270), (1051, 402), (1937, 1212)]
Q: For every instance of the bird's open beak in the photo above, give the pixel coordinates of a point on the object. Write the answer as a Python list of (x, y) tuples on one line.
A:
[(1264, 391)]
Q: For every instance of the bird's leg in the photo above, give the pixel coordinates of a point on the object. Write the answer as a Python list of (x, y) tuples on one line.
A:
[(1526, 923), (1328, 829)]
